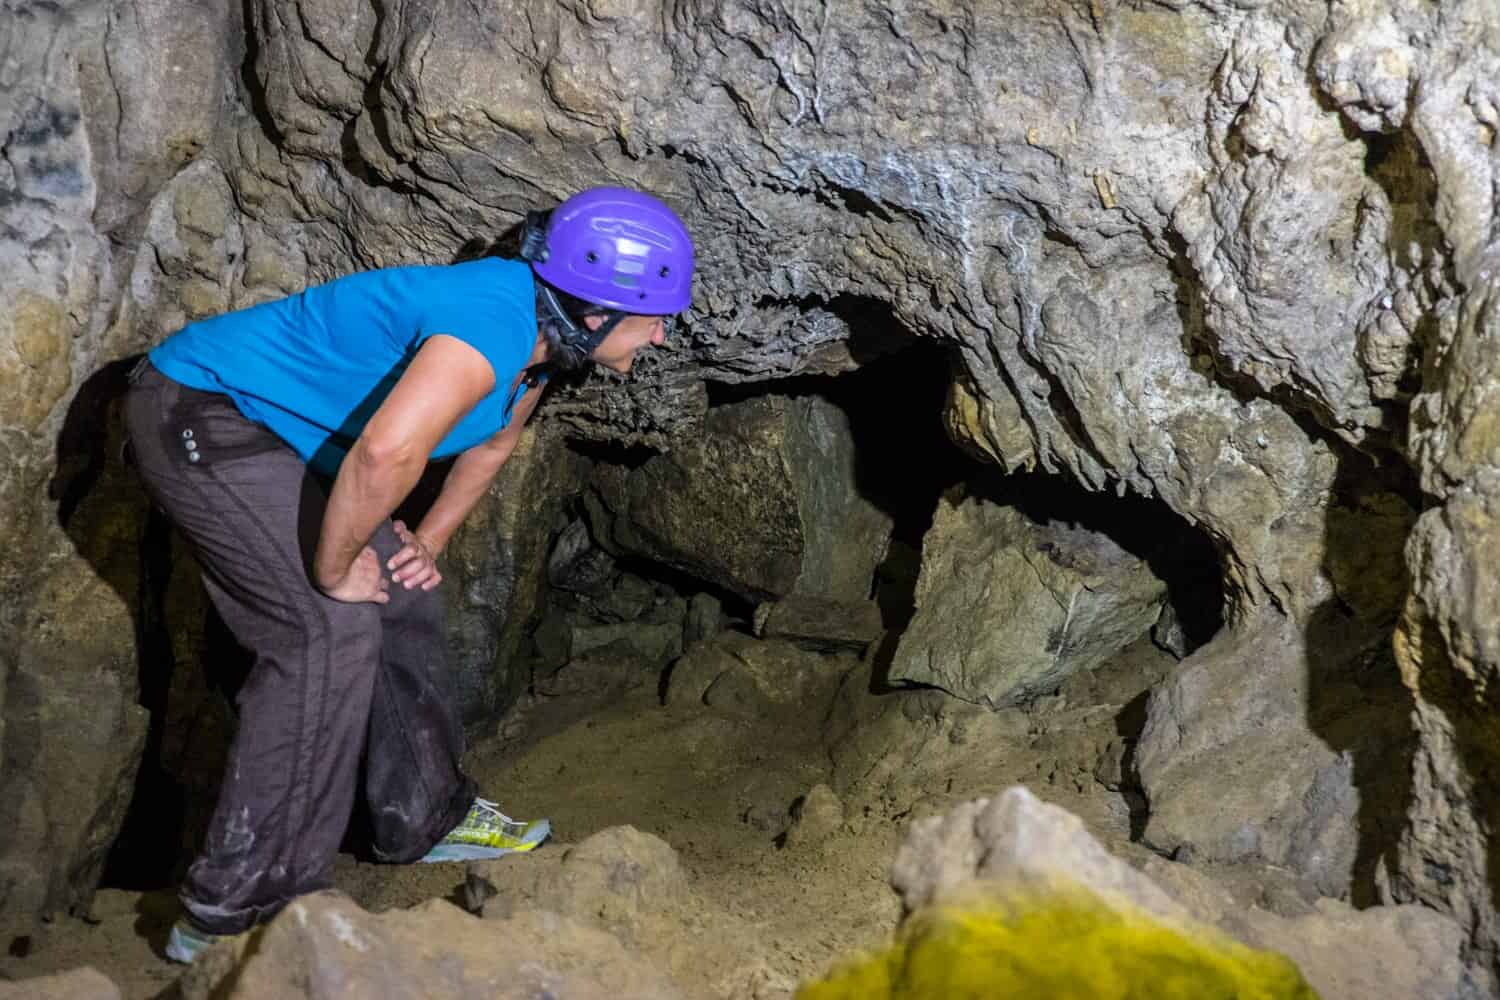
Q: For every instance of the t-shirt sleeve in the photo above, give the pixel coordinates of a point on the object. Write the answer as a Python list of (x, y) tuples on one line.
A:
[(496, 336)]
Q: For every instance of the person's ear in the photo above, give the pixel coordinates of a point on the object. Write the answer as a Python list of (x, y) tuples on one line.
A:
[(593, 321)]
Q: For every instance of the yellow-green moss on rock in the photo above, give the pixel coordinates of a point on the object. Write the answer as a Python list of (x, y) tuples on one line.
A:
[(1064, 947)]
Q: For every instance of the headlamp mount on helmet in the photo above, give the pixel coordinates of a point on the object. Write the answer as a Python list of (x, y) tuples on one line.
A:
[(534, 238)]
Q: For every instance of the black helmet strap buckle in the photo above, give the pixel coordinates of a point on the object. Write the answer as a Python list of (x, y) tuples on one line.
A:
[(534, 238), (578, 338)]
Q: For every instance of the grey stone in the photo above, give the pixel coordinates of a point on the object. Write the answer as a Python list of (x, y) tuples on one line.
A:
[(1282, 743), (608, 669), (494, 571), (1168, 633), (1017, 839), (1054, 600), (820, 622), (816, 816), (704, 614), (742, 676), (762, 502), (654, 643)]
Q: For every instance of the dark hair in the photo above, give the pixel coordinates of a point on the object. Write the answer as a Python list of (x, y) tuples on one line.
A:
[(561, 357)]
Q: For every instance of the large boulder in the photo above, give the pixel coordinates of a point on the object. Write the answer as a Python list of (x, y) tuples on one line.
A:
[(1008, 609), (1015, 844), (763, 501), (324, 947), (1286, 743)]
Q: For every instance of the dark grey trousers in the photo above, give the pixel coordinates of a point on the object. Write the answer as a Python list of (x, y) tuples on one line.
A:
[(334, 686)]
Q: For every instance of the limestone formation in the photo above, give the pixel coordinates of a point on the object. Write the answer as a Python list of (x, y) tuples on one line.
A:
[(820, 622), (1235, 256), (1008, 609), (741, 676), (495, 567)]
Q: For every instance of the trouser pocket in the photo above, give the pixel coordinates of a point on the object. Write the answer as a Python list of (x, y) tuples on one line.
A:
[(206, 428)]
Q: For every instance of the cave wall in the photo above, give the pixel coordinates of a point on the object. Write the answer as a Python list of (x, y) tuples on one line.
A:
[(1221, 252)]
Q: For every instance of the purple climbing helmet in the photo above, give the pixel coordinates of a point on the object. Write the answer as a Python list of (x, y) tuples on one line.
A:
[(618, 248)]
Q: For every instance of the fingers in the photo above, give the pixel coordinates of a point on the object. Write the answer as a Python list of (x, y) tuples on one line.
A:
[(414, 566)]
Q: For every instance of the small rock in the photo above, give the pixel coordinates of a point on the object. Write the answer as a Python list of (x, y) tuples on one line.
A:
[(1168, 633), (820, 622), (703, 616), (657, 643), (816, 816)]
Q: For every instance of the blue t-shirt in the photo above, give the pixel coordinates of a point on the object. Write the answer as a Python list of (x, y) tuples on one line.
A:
[(314, 367)]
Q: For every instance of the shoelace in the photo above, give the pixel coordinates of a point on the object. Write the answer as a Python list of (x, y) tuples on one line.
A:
[(491, 812)]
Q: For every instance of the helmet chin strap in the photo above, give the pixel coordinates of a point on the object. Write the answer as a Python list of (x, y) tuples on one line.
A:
[(578, 338)]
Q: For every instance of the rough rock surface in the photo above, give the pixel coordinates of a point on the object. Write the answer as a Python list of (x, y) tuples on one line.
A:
[(1196, 250), (494, 570), (324, 946), (820, 622), (81, 984), (738, 675), (763, 501), (1015, 842), (1285, 744), (1008, 609), (631, 886)]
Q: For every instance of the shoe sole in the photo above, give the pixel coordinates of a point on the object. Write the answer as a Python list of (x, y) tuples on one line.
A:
[(479, 852)]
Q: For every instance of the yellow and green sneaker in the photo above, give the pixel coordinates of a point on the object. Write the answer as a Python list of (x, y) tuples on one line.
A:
[(185, 941), (486, 832)]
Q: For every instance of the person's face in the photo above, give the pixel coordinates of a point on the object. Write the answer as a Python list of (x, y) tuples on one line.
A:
[(617, 350)]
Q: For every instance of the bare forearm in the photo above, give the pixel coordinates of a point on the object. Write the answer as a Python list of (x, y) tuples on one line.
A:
[(365, 493), (467, 481)]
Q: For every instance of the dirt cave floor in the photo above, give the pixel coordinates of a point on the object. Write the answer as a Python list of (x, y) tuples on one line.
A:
[(778, 890)]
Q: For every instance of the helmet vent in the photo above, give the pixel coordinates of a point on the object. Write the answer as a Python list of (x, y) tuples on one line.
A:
[(591, 257)]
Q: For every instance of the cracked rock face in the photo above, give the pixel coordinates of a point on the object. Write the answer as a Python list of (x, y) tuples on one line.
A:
[(1205, 251), (1053, 600)]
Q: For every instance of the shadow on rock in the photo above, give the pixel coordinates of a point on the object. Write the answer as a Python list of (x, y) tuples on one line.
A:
[(133, 548), (1356, 702)]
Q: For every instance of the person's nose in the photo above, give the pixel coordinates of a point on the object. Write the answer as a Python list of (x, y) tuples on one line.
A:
[(659, 332)]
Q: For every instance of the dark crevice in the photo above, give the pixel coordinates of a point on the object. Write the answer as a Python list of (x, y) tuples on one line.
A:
[(353, 160), (687, 156), (850, 200), (873, 331), (254, 91)]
